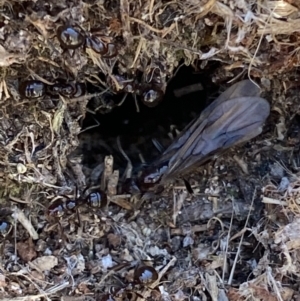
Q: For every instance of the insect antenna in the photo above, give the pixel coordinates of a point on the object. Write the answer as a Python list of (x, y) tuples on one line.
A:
[(188, 186)]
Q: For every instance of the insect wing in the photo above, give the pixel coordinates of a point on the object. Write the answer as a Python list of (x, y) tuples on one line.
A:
[(243, 88), (226, 122)]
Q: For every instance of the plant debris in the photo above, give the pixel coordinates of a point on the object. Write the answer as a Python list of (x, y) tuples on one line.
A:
[(66, 231)]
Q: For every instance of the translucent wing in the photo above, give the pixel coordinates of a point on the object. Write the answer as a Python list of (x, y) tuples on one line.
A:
[(237, 115)]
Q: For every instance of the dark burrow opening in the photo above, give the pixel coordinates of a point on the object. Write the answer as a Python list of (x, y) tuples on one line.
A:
[(137, 128)]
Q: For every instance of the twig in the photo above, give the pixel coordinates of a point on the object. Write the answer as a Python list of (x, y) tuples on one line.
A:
[(107, 172), (136, 104), (273, 283), (148, 26), (147, 292), (43, 293), (188, 89), (138, 51), (91, 127), (258, 46), (25, 222), (128, 171), (227, 246), (151, 10), (84, 97), (267, 200), (178, 46), (25, 298), (178, 200), (241, 240)]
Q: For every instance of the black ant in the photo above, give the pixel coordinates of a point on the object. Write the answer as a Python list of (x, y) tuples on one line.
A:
[(56, 210), (96, 199), (34, 89), (143, 276), (150, 91), (71, 38)]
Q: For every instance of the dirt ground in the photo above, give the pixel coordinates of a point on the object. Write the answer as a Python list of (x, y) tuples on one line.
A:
[(91, 91)]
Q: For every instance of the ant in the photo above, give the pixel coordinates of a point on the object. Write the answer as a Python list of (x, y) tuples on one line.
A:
[(56, 210), (143, 276), (35, 89), (151, 90), (96, 199), (71, 38)]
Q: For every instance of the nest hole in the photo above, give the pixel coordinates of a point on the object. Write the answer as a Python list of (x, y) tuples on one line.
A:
[(138, 125)]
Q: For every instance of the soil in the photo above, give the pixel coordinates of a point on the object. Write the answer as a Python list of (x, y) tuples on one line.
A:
[(68, 230)]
